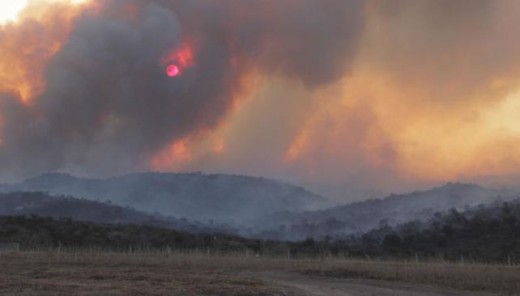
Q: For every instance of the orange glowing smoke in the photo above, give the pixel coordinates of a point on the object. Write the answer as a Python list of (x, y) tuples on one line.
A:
[(28, 44), (443, 106), (173, 157), (219, 148), (179, 60), (297, 147)]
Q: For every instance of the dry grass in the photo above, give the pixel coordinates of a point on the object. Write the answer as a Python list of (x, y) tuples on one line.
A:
[(116, 274), (502, 280), (102, 273)]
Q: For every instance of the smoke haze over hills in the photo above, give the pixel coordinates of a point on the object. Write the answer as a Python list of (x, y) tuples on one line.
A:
[(196, 196)]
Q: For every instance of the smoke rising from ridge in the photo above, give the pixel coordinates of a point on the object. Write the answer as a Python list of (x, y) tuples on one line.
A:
[(386, 94), (108, 106)]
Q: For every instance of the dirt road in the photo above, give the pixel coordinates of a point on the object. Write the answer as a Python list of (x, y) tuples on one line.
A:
[(300, 285)]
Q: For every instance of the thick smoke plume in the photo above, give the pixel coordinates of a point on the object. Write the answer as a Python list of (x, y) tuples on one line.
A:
[(108, 106), (370, 93), (434, 97)]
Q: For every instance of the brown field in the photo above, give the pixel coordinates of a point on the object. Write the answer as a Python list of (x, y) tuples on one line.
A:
[(104, 273)]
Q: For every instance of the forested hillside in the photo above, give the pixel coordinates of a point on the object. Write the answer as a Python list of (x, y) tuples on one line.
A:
[(43, 205), (195, 196), (392, 210), (485, 233), (481, 234)]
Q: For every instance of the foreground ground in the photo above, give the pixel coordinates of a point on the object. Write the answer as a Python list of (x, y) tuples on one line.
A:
[(50, 273)]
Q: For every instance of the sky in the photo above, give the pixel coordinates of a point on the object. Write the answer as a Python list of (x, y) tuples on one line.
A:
[(375, 95)]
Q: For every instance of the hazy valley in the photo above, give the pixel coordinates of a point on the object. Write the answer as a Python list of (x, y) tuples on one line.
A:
[(252, 207)]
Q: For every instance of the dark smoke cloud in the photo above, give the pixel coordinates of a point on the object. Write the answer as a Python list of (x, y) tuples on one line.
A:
[(109, 107)]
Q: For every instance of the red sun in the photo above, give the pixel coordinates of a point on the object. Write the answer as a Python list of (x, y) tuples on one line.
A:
[(180, 59), (173, 70)]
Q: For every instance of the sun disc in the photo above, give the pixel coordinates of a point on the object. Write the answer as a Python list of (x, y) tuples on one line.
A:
[(173, 70)]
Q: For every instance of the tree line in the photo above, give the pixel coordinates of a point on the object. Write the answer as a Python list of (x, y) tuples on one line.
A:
[(486, 234)]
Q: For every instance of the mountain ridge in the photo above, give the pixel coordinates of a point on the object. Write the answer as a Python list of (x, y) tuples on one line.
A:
[(196, 196), (394, 209), (43, 205)]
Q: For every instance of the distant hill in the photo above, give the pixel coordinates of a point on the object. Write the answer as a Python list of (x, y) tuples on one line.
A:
[(253, 207), (361, 217), (196, 196), (58, 207)]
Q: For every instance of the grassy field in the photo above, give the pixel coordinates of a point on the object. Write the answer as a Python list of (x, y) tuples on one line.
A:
[(503, 280), (41, 273), (104, 273)]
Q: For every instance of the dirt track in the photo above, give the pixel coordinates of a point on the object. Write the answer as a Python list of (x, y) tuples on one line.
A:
[(295, 284)]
